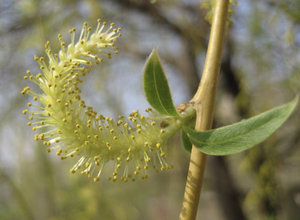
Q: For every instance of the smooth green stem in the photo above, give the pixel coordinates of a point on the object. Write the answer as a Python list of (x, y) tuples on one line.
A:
[(203, 102)]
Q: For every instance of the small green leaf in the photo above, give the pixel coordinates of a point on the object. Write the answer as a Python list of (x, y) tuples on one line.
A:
[(186, 141), (156, 86), (243, 135)]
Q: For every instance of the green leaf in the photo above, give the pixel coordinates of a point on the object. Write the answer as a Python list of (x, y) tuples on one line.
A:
[(156, 86), (243, 135), (186, 141)]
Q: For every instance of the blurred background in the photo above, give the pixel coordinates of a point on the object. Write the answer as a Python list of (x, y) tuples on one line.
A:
[(260, 69)]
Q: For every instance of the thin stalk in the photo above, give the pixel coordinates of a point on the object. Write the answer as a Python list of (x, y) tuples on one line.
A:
[(204, 102)]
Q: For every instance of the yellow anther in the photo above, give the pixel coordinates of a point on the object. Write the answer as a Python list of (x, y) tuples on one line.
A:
[(77, 126), (138, 131), (72, 171), (138, 167), (36, 137), (42, 136), (153, 123), (49, 105), (111, 131), (57, 141), (24, 111), (48, 150), (29, 104), (86, 142), (169, 167), (30, 117), (158, 145), (64, 120), (108, 146), (96, 136), (96, 179), (59, 151), (162, 131), (29, 123), (87, 164)]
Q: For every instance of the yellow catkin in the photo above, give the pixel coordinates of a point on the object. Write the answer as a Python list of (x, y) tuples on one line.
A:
[(76, 130)]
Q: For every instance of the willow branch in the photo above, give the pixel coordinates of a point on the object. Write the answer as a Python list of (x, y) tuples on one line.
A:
[(203, 102)]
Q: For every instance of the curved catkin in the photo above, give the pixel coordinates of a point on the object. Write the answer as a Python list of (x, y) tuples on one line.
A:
[(66, 125)]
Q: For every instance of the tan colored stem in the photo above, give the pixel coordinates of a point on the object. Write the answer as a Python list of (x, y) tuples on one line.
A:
[(204, 101)]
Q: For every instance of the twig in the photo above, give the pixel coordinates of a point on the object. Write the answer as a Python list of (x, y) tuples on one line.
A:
[(204, 101)]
